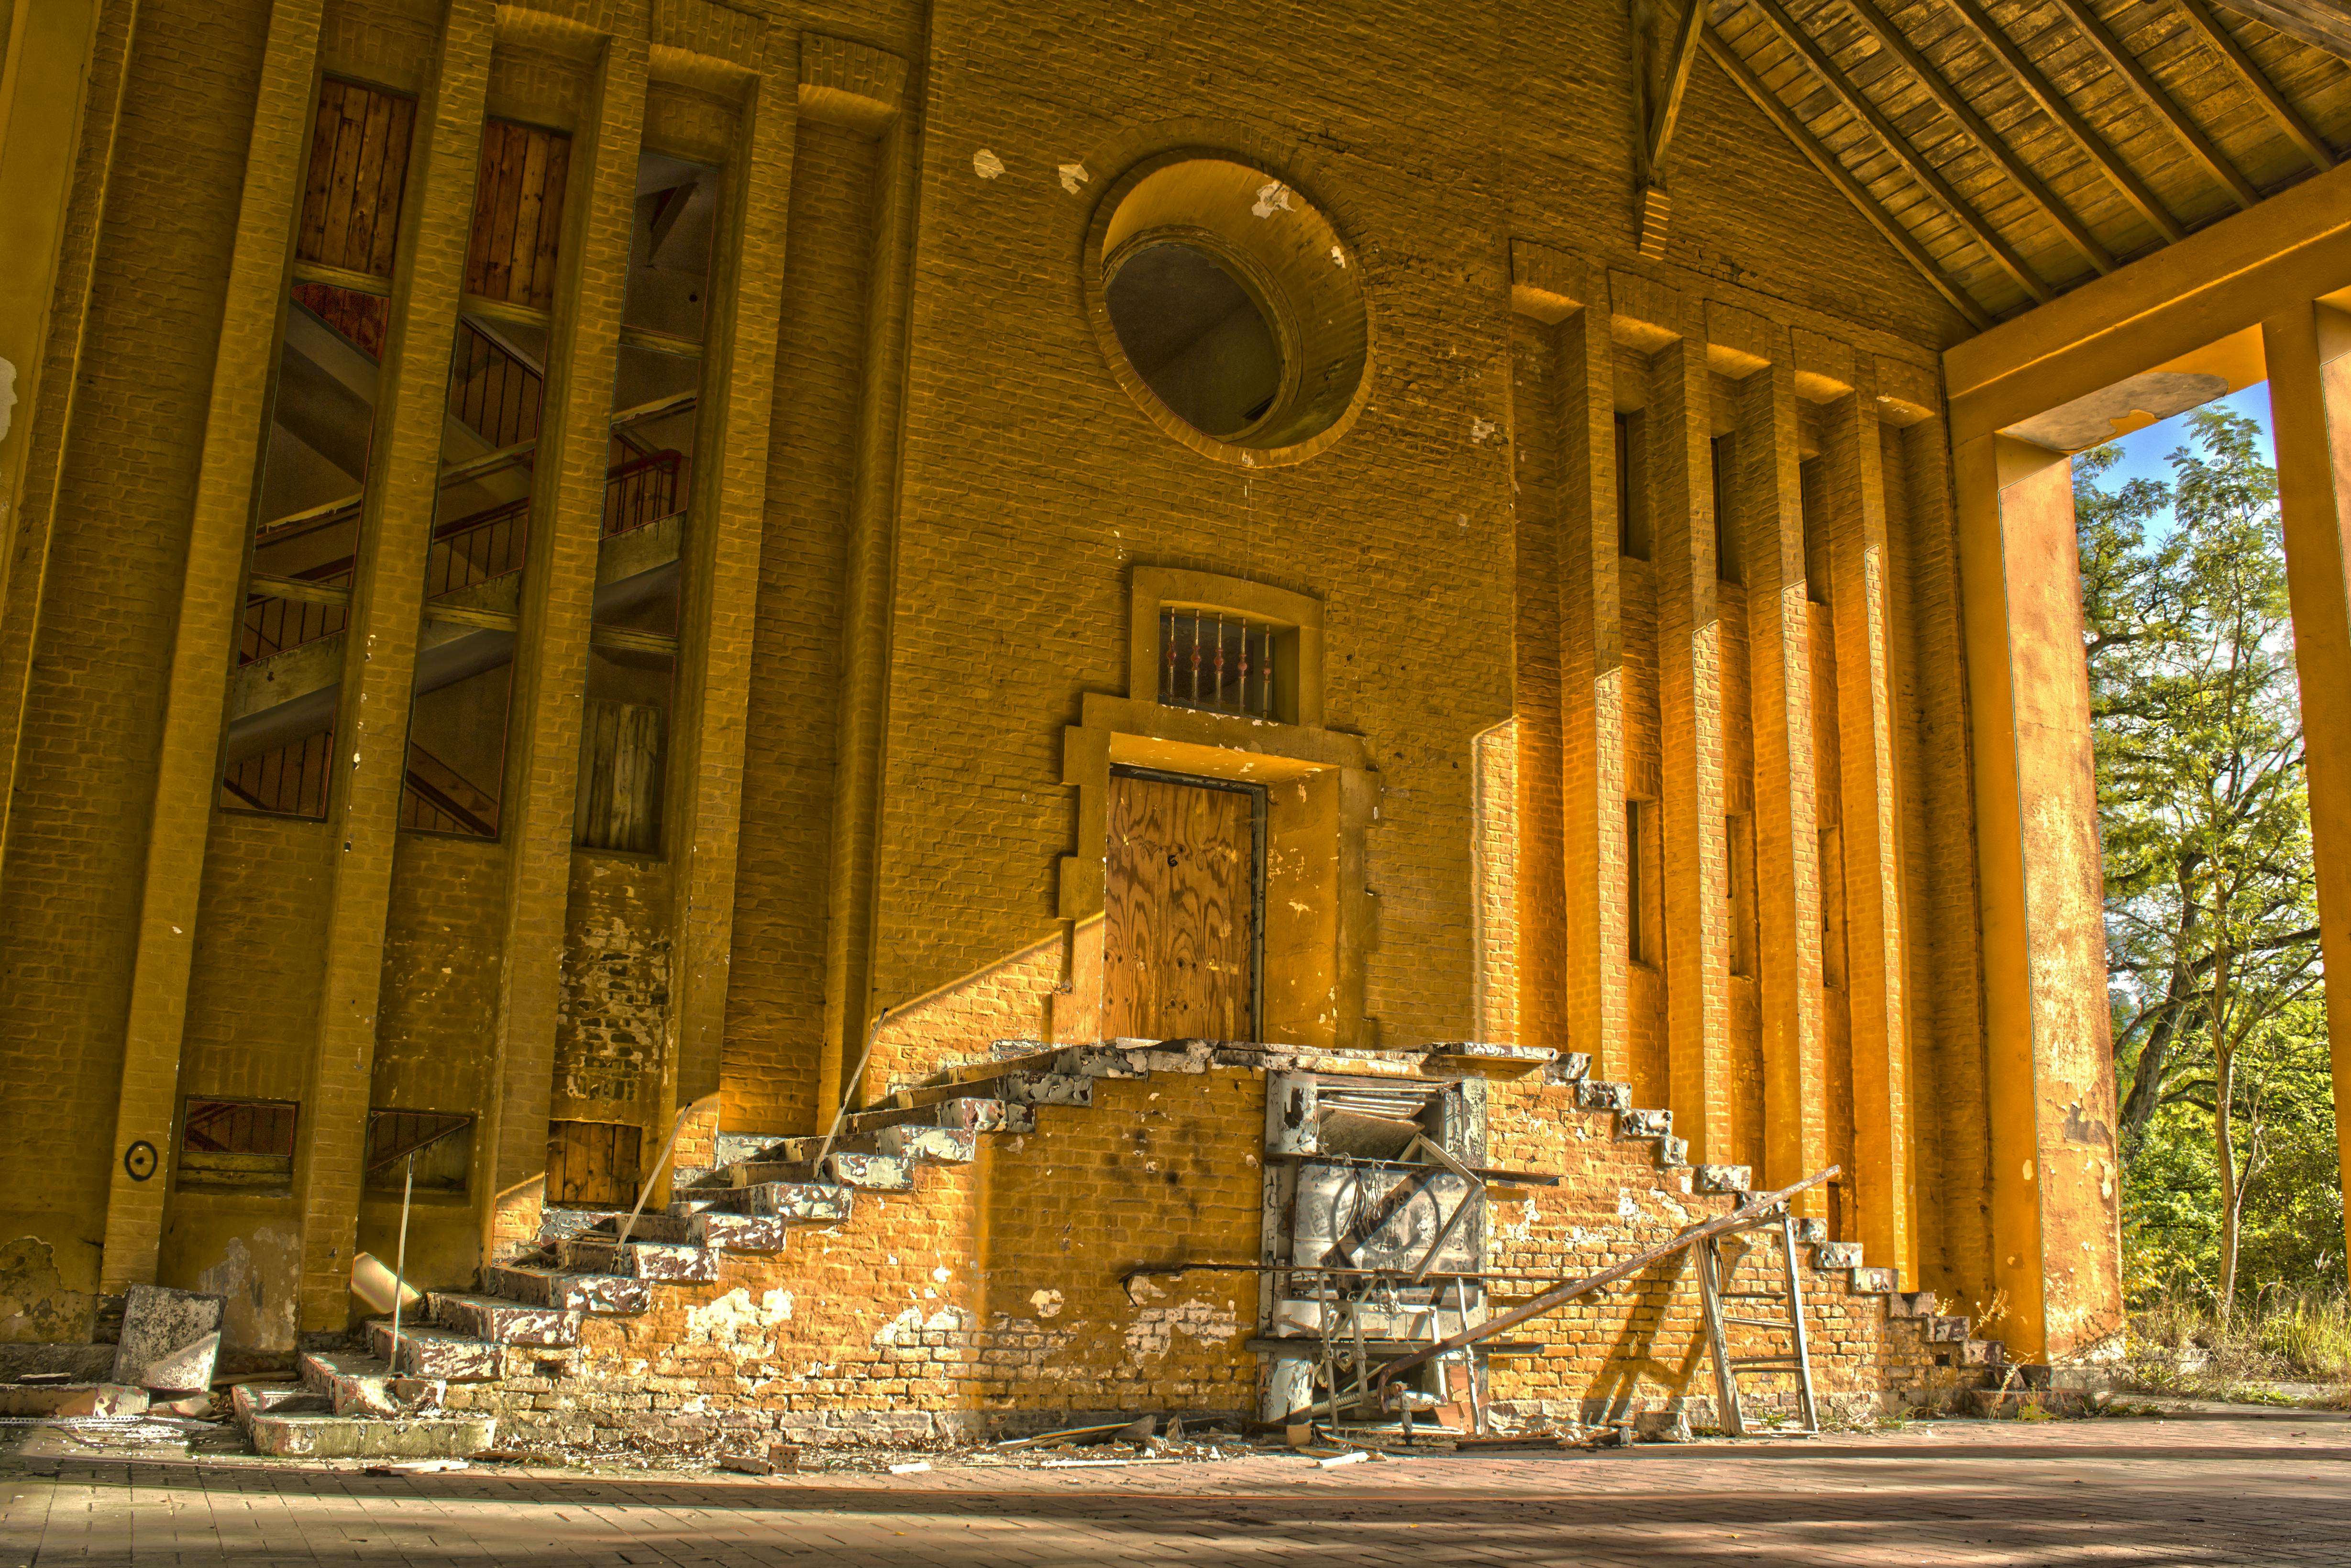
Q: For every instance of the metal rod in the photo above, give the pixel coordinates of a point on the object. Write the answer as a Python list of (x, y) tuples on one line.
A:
[(400, 1262)]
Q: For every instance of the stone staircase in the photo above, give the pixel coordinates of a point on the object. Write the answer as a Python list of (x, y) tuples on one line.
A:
[(520, 1334)]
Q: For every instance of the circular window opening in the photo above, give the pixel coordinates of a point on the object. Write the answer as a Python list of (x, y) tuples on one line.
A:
[(1195, 335), (1228, 308)]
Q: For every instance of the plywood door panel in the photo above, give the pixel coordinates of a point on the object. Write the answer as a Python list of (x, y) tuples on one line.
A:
[(1179, 911), (593, 1164)]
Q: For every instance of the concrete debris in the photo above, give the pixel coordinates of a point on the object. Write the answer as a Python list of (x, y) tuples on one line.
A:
[(416, 1468), (171, 1340), (917, 1468), (1336, 1460)]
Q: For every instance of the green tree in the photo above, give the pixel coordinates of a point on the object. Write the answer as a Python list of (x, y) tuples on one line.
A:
[(2211, 901)]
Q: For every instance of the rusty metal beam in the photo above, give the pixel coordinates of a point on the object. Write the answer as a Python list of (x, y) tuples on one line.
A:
[(2158, 102), (1958, 109), (2055, 105), (1859, 103), (2199, 17), (1901, 238)]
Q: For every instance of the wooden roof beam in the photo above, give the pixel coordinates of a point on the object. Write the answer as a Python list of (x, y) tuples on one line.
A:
[(2296, 129), (1859, 104), (2159, 103), (1901, 238), (2322, 24), (1958, 109), (1669, 107), (2059, 109)]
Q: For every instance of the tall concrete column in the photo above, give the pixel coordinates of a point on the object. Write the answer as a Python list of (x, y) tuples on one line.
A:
[(2056, 1242), (1690, 700), (2309, 354), (1592, 696), (1787, 822), (380, 661), (1868, 788)]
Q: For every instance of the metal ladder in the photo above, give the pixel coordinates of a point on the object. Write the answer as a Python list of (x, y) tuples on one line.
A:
[(1712, 1283)]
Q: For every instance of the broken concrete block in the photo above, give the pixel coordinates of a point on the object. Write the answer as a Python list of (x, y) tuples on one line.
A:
[(171, 1339), (63, 1399)]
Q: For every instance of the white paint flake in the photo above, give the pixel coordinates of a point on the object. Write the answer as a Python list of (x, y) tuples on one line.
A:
[(8, 396), (1072, 176), (1154, 1329), (1626, 1208), (1337, 258), (1272, 197), (1047, 1303), (1479, 429), (986, 164)]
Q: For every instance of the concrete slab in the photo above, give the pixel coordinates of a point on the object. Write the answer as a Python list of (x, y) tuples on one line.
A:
[(71, 1399), (171, 1339)]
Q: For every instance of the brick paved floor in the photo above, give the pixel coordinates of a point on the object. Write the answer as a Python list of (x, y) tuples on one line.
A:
[(2107, 1491)]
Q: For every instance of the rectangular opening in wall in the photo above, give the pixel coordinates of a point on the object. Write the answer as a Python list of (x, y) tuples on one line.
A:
[(648, 483), (1220, 662), (1739, 868), (1640, 945), (1631, 489), (239, 1145), (481, 529), (1723, 453), (593, 1164), (1811, 477), (1831, 907), (322, 405), (437, 1147)]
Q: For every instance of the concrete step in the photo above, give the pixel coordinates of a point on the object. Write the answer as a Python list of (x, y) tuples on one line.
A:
[(1838, 1255), (247, 1400), (1673, 1154), (968, 1112), (1875, 1281), (422, 1350), (930, 1146), (1570, 1067), (1946, 1329), (1644, 1124), (872, 1172), (1738, 1179), (1983, 1353), (503, 1321), (640, 1260), (1026, 1087), (1076, 1060), (540, 1285), (310, 1435), (1594, 1095), (353, 1383), (800, 1202), (1913, 1305)]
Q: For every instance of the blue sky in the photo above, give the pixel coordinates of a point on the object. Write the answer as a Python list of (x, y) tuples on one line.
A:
[(2146, 454)]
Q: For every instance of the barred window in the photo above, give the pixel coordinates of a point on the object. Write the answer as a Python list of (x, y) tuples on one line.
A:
[(1218, 662)]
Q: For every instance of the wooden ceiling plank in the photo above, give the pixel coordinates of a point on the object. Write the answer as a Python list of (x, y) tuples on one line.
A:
[(1958, 109), (2027, 76), (1781, 115), (2297, 131), (2127, 65), (2321, 27), (1827, 70)]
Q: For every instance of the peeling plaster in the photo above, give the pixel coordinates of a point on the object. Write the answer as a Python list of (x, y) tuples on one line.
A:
[(1154, 1329), (734, 1318), (1047, 1303), (1626, 1209), (8, 397), (258, 1275), (36, 1307), (1272, 197), (986, 164), (1072, 176)]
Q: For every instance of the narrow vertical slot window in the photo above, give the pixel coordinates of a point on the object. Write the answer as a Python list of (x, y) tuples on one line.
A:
[(481, 526), (284, 692), (656, 391), (1631, 490), (1832, 908), (1723, 453), (1816, 553), (1636, 883), (1738, 891)]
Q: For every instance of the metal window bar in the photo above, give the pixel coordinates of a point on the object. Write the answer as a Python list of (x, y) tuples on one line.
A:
[(1216, 661)]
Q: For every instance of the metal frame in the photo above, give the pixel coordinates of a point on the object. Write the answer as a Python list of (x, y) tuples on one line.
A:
[(1256, 797)]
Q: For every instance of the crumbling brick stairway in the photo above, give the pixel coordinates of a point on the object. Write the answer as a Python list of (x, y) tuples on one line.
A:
[(443, 1386)]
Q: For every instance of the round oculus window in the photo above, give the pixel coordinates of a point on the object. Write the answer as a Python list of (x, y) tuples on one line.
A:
[(1229, 308)]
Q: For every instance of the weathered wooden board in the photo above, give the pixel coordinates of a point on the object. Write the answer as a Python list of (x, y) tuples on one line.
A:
[(1179, 916)]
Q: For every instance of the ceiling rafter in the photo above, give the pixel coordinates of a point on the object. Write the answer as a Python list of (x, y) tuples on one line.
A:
[(2060, 108), (2151, 93), (1859, 104), (2322, 24), (1939, 88), (1659, 118), (1827, 163), (2200, 19)]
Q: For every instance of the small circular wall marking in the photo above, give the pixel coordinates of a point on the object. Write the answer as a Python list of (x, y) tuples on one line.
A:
[(138, 1160)]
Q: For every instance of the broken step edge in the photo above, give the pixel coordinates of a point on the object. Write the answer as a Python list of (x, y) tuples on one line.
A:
[(308, 1436)]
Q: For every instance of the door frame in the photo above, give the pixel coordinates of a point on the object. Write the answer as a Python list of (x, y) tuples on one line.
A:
[(1257, 798)]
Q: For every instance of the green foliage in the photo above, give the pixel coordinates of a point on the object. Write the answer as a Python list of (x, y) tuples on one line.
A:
[(2211, 919)]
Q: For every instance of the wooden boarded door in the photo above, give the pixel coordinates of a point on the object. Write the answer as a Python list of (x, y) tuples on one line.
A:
[(1182, 881)]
